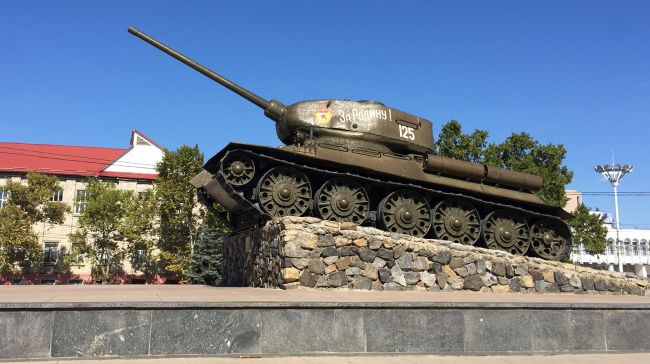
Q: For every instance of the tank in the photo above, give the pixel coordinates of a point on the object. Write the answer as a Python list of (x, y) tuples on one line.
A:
[(370, 164)]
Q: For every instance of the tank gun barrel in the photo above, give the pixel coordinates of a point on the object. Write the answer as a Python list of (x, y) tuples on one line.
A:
[(255, 99)]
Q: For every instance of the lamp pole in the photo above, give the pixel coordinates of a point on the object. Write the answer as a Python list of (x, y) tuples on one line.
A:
[(614, 175)]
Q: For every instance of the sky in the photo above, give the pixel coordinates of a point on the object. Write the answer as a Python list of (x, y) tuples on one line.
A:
[(575, 73)]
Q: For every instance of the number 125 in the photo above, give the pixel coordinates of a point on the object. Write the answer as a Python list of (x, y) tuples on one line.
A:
[(406, 132)]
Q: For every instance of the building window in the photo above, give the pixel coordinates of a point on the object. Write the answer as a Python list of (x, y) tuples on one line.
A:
[(80, 201), (77, 253), (51, 253), (643, 249), (576, 249), (4, 196), (140, 255), (57, 196), (105, 255), (611, 246)]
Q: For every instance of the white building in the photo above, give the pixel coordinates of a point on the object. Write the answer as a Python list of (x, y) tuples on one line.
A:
[(634, 254), (634, 244)]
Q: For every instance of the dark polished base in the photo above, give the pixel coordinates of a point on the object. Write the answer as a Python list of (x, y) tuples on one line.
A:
[(326, 324)]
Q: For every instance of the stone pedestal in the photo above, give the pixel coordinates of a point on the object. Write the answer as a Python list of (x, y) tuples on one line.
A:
[(155, 321), (308, 253)]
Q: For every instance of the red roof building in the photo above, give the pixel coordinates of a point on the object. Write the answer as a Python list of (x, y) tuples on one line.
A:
[(136, 162), (132, 168)]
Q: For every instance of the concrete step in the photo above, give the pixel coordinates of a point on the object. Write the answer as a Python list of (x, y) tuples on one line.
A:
[(629, 358), (140, 321)]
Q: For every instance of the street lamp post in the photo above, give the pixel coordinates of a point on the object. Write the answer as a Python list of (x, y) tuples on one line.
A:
[(614, 175)]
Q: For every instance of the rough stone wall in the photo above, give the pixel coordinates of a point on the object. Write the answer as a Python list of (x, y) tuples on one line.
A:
[(295, 252), (254, 258)]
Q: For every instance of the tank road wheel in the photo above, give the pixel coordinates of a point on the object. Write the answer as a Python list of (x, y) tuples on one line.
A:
[(238, 169), (456, 220), (284, 191), (342, 199), (550, 239), (506, 230), (405, 212)]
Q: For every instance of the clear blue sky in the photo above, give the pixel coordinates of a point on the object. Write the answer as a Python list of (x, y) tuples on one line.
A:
[(575, 73)]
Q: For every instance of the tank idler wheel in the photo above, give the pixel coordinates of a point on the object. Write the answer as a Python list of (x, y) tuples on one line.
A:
[(506, 230), (342, 199), (238, 168), (456, 220), (405, 212), (284, 191), (550, 239)]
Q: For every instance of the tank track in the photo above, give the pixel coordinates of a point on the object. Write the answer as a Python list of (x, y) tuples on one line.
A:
[(251, 216)]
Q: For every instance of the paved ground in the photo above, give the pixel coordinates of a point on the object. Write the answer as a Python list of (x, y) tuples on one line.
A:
[(196, 293), (396, 359)]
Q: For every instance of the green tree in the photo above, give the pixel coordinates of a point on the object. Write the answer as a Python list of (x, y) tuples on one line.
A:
[(589, 230), (140, 230), (181, 214), (453, 143), (27, 204), (207, 259), (519, 152), (112, 222), (18, 242)]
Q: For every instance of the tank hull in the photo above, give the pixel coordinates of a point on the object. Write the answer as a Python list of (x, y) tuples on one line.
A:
[(367, 163), (379, 175)]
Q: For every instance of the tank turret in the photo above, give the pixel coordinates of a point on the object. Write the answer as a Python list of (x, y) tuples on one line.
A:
[(370, 164), (367, 124)]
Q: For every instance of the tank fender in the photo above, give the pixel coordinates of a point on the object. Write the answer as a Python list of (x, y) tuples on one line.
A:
[(482, 172), (521, 180)]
